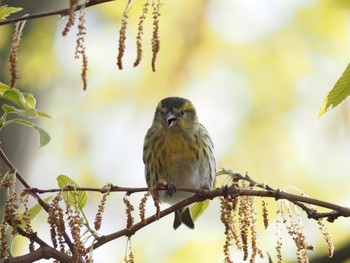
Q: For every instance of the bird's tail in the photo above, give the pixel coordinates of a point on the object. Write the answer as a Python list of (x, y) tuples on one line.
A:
[(183, 216)]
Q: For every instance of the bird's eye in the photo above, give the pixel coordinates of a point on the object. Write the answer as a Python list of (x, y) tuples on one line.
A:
[(181, 113), (160, 113)]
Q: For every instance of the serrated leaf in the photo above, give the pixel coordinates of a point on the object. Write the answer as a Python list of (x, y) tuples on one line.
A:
[(76, 198), (198, 209), (339, 92), (43, 135), (34, 211), (5, 11)]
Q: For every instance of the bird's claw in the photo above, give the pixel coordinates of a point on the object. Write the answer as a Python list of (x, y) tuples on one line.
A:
[(171, 188)]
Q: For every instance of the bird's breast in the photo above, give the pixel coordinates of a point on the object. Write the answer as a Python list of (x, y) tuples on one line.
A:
[(179, 155)]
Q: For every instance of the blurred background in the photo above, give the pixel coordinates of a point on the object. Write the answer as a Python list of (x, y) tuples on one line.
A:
[(257, 72)]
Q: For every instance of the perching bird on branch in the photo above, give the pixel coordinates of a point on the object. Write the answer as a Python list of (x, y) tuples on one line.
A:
[(178, 149)]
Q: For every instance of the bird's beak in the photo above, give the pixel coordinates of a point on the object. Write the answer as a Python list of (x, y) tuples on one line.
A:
[(170, 119)]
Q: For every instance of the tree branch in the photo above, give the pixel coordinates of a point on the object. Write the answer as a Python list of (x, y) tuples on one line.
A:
[(233, 192), (299, 200), (43, 252), (62, 12)]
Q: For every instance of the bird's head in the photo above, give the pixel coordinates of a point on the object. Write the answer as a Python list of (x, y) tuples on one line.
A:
[(176, 113)]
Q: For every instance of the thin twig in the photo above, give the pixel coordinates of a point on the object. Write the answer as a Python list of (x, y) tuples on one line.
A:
[(277, 194), (222, 191), (62, 12)]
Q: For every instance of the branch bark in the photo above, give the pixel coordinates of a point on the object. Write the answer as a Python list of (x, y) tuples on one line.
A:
[(62, 12), (43, 252), (226, 191)]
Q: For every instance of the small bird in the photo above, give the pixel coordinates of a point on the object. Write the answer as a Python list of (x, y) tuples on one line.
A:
[(178, 149)]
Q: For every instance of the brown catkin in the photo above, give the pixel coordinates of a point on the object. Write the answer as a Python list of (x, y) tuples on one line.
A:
[(142, 206), (100, 210), (139, 34), (71, 16), (13, 57), (122, 36), (155, 34), (3, 240), (129, 209), (227, 220), (265, 212), (326, 236), (80, 50)]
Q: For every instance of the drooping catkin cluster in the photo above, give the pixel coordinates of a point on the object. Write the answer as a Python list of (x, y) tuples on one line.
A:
[(248, 226), (75, 225), (155, 34), (243, 232), (129, 255), (80, 50), (11, 214), (228, 208), (3, 241), (327, 237), (129, 210), (13, 56), (139, 34), (58, 218), (291, 219), (265, 212), (278, 232), (322, 227), (56, 222), (154, 194), (155, 41), (101, 208), (71, 16), (238, 231), (12, 218), (142, 207), (26, 218), (122, 36), (289, 216)]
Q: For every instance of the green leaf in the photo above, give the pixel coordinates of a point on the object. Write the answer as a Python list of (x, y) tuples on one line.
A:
[(30, 100), (339, 92), (3, 88), (198, 208), (21, 99), (25, 113), (34, 211), (5, 11), (43, 135), (75, 198), (31, 113), (17, 97), (43, 114)]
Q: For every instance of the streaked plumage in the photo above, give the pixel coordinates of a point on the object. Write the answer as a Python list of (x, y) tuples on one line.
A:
[(178, 149)]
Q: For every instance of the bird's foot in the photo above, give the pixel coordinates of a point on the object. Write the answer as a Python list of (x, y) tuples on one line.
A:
[(171, 188)]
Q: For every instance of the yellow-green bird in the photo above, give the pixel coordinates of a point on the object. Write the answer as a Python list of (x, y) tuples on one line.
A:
[(178, 149)]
